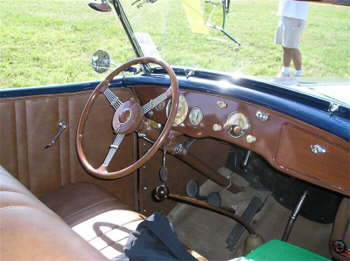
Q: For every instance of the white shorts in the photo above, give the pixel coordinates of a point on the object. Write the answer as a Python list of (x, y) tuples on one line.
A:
[(288, 33)]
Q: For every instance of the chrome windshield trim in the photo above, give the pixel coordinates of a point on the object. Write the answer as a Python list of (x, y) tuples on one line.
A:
[(129, 32)]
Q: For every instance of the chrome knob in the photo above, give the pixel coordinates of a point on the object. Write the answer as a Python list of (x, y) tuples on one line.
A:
[(250, 139), (236, 130)]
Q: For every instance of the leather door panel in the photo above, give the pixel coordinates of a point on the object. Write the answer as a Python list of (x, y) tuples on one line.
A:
[(27, 124)]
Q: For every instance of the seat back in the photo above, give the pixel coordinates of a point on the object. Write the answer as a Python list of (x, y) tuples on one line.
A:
[(31, 231)]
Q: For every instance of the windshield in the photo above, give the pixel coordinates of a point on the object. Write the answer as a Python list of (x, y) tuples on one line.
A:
[(183, 34), (52, 42), (242, 38)]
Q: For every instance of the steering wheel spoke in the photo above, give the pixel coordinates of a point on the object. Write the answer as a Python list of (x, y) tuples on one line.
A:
[(154, 102), (114, 101), (113, 148)]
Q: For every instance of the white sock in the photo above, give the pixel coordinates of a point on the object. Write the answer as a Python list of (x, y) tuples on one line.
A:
[(285, 70), (298, 73)]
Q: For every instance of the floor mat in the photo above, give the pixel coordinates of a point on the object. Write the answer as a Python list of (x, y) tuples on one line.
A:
[(206, 232)]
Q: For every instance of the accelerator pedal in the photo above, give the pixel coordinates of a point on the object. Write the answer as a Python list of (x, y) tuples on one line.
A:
[(254, 207)]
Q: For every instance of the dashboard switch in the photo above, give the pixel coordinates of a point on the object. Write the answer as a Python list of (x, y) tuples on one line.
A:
[(250, 139), (221, 104), (217, 127)]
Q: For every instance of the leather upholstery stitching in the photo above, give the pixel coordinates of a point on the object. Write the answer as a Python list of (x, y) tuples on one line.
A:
[(89, 207), (28, 170)]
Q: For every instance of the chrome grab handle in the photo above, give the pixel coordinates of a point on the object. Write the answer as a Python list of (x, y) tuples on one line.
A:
[(318, 149), (62, 125)]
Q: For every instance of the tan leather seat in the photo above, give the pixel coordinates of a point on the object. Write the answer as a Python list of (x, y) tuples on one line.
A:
[(95, 215), (31, 231), (98, 224)]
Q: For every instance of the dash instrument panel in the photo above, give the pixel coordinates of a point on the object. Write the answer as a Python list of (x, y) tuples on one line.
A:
[(288, 144)]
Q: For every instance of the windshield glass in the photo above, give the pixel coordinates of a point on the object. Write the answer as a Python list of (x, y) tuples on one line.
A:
[(183, 33), (242, 38), (52, 42)]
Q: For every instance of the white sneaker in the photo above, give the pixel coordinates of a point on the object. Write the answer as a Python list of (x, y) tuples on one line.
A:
[(298, 74), (283, 75)]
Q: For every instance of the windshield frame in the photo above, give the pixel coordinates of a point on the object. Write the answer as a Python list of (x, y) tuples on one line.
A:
[(130, 33)]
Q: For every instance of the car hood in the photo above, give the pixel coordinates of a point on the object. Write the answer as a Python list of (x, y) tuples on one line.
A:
[(334, 91)]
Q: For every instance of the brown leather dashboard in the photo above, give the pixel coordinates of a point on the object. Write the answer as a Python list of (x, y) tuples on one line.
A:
[(290, 145)]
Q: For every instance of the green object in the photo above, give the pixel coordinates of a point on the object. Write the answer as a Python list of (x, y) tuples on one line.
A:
[(276, 250)]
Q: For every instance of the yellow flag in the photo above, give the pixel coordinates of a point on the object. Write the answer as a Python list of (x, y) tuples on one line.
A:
[(195, 16)]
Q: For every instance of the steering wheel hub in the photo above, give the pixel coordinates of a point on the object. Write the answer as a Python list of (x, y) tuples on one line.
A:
[(124, 116), (127, 117)]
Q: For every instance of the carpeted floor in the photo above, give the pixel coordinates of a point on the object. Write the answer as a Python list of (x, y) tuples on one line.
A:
[(206, 232)]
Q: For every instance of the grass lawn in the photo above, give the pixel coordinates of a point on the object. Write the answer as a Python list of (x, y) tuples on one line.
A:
[(51, 41)]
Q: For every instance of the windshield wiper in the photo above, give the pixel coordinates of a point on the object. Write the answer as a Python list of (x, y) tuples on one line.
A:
[(130, 33)]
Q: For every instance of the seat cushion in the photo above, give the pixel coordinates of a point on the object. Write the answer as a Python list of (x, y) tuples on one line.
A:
[(31, 231), (77, 202), (109, 231), (94, 214)]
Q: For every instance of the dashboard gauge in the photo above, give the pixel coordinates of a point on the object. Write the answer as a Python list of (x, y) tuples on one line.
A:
[(182, 110), (237, 124), (195, 116)]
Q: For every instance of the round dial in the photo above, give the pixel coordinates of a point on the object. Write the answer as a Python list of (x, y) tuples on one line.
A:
[(237, 124), (196, 116), (182, 111)]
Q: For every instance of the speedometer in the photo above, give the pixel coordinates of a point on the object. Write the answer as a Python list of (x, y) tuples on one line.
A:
[(182, 111)]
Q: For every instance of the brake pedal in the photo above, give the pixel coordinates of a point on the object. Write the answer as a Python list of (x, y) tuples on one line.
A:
[(193, 191)]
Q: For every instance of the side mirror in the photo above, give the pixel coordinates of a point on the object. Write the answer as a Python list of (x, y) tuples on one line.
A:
[(100, 61), (101, 7)]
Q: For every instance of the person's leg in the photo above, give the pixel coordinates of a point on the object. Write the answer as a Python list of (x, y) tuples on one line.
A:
[(290, 41), (298, 26), (287, 58), (297, 60), (283, 37)]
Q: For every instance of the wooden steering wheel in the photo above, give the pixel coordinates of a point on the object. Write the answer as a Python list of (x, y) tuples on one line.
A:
[(127, 118)]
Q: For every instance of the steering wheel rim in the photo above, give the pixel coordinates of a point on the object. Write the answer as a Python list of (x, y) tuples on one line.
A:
[(102, 172)]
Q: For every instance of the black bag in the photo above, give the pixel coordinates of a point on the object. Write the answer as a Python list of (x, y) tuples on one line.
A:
[(155, 239)]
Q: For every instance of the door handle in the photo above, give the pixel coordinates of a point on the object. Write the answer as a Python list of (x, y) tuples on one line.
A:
[(62, 125)]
